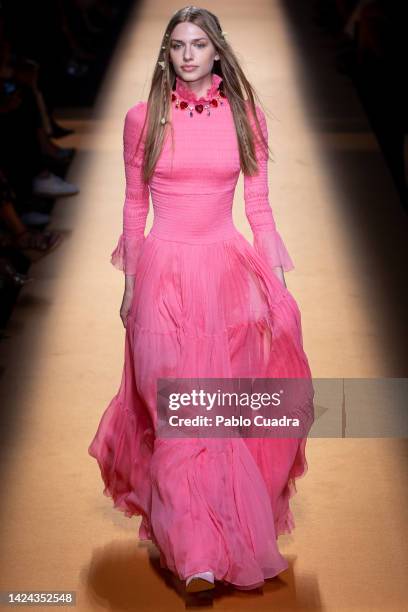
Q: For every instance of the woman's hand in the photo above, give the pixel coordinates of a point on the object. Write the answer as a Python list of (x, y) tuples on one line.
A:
[(127, 298), (125, 307), (279, 273)]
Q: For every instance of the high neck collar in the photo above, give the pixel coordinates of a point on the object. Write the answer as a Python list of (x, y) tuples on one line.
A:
[(186, 94)]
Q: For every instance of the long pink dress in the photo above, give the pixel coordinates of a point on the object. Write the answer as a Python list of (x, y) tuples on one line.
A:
[(206, 304)]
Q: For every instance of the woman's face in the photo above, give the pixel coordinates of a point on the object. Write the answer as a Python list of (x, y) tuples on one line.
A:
[(190, 46)]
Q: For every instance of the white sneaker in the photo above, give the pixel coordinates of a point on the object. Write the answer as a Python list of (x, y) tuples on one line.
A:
[(200, 582), (52, 186)]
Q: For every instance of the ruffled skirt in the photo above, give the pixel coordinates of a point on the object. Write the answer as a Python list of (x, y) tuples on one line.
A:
[(219, 504)]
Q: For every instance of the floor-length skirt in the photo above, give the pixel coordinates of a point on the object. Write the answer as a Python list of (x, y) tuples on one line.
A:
[(219, 504)]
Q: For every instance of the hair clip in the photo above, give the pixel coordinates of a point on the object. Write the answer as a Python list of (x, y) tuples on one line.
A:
[(162, 64), (224, 34), (163, 120)]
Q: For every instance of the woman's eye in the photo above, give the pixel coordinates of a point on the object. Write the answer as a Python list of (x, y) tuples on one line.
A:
[(177, 46)]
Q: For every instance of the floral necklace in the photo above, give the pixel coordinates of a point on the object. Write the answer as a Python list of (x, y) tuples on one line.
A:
[(184, 98)]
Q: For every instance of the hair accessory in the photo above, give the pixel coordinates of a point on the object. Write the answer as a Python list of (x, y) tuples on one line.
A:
[(162, 64), (224, 34), (163, 120)]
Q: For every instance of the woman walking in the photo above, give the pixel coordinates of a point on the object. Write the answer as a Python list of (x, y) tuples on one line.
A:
[(201, 301)]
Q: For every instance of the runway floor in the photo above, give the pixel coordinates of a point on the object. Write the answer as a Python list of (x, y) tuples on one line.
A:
[(336, 207)]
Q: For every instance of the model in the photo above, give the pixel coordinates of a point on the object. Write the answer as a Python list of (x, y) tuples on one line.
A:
[(201, 301)]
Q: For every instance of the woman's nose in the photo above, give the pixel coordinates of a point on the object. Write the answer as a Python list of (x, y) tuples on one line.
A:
[(187, 54)]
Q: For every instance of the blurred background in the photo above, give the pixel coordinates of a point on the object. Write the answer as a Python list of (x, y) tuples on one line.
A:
[(331, 76), (53, 57)]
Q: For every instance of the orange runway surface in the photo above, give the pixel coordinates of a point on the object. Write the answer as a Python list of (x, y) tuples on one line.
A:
[(58, 531)]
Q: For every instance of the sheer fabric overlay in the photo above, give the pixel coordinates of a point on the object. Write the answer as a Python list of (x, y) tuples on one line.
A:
[(206, 304)]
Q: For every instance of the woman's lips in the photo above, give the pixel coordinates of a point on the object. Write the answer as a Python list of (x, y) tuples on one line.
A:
[(188, 68)]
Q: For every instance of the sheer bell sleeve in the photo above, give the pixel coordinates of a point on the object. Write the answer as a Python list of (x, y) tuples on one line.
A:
[(136, 205), (266, 239)]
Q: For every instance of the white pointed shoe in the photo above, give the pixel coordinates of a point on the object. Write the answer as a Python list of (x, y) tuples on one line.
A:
[(202, 581)]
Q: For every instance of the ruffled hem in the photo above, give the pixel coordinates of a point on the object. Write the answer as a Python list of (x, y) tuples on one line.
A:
[(286, 523), (243, 553), (126, 254), (123, 447), (271, 247), (118, 255)]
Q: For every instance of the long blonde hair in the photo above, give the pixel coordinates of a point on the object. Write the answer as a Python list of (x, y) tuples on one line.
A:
[(233, 83)]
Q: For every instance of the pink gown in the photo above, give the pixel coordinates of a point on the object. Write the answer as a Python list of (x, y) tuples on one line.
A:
[(206, 304)]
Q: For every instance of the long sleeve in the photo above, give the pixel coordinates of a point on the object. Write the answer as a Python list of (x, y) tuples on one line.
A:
[(136, 205), (266, 239)]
